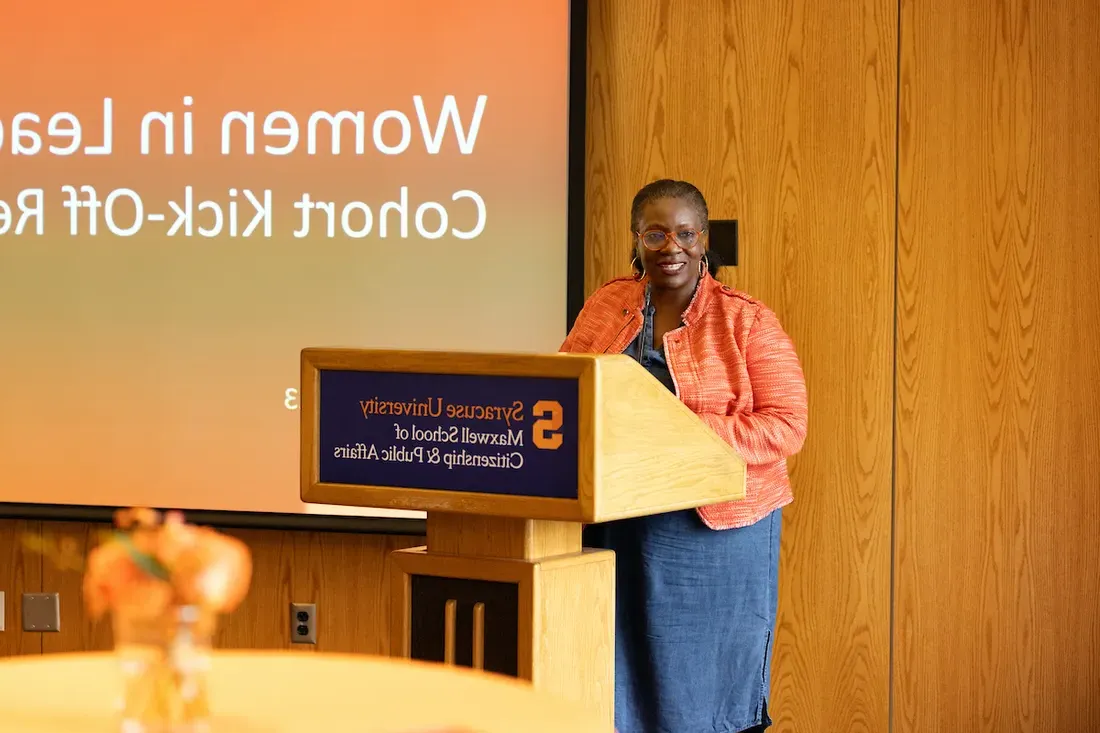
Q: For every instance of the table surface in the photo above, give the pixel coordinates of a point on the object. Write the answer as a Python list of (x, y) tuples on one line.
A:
[(291, 692)]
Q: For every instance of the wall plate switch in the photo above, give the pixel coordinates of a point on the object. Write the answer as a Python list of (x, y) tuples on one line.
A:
[(41, 612), (2, 602), (303, 623)]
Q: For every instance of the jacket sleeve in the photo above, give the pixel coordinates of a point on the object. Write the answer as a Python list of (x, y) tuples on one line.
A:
[(776, 427), (580, 326), (569, 344)]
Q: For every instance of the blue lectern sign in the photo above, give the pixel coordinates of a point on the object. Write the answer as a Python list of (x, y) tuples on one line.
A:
[(450, 432)]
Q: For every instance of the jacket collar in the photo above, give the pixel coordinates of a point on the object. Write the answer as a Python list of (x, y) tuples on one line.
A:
[(696, 306)]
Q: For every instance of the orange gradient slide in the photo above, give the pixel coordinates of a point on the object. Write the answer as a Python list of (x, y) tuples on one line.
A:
[(192, 192)]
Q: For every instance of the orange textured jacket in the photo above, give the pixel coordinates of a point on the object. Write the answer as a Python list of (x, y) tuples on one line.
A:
[(733, 365)]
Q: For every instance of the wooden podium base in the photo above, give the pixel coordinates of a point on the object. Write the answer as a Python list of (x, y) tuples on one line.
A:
[(517, 597)]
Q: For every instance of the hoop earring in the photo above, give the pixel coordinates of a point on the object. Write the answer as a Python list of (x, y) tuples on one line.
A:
[(637, 267), (704, 265)]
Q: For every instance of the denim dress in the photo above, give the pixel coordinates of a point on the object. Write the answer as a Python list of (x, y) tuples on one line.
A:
[(695, 610)]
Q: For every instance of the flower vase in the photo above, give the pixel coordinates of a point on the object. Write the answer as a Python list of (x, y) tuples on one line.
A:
[(164, 660)]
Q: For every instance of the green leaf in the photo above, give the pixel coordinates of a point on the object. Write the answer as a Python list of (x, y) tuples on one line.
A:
[(145, 561)]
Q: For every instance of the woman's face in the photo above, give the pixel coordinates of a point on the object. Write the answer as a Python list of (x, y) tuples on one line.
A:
[(670, 244)]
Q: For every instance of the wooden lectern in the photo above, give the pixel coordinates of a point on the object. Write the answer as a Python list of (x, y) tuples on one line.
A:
[(509, 455)]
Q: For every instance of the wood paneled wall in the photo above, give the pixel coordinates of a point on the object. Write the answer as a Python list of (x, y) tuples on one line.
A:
[(998, 385), (784, 115), (964, 214), (346, 575), (787, 115), (20, 572)]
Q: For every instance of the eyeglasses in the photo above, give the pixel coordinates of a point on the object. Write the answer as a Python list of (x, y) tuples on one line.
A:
[(655, 238)]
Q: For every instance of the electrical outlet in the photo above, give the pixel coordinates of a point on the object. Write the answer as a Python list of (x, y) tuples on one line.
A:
[(303, 623), (41, 612)]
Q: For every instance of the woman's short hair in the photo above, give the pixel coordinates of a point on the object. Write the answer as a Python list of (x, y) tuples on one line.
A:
[(667, 188)]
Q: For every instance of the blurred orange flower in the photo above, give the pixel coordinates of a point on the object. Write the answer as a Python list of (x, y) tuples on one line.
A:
[(153, 563)]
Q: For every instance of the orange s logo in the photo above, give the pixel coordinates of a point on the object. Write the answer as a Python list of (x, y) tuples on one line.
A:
[(544, 431)]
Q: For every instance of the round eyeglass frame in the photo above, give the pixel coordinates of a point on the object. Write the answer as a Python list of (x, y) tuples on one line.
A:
[(676, 237)]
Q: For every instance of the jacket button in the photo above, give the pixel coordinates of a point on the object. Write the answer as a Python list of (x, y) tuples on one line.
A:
[(626, 311)]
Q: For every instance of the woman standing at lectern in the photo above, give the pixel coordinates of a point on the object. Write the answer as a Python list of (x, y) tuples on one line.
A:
[(696, 590)]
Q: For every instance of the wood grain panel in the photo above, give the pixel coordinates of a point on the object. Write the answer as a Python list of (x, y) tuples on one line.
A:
[(346, 575), (20, 572), (998, 484), (784, 115), (62, 573)]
